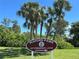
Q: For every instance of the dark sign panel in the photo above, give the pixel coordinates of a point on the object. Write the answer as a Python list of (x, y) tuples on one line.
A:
[(41, 45)]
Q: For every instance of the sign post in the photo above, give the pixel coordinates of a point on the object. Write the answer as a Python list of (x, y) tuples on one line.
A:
[(32, 54), (51, 55)]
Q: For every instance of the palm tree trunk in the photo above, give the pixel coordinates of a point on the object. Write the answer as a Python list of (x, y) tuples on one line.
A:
[(47, 33), (34, 36), (41, 26), (36, 28), (48, 30), (36, 33), (31, 33), (54, 35)]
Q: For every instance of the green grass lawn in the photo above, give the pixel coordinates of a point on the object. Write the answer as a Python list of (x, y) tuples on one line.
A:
[(58, 54)]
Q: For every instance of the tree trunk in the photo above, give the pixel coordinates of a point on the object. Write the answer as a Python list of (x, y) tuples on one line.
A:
[(54, 35), (47, 33), (36, 29), (36, 33), (31, 33), (41, 26)]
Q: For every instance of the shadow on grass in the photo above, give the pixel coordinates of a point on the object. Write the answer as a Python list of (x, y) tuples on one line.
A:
[(16, 52), (1, 56), (10, 52)]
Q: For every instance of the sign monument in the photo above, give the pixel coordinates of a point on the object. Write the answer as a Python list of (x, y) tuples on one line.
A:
[(41, 45)]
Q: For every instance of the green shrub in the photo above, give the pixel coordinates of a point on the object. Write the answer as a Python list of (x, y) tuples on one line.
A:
[(14, 43), (64, 45), (25, 51), (61, 43)]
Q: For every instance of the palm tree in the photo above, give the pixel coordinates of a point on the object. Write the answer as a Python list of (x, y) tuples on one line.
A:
[(43, 17), (29, 11), (48, 27), (60, 6), (50, 22), (6, 22), (56, 23)]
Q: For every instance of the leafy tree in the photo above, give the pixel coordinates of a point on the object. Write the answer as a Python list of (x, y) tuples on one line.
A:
[(56, 23), (6, 22), (4, 33), (75, 32), (16, 27), (12, 39), (60, 6), (74, 28)]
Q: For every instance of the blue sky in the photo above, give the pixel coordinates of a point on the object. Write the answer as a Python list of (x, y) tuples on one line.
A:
[(8, 8)]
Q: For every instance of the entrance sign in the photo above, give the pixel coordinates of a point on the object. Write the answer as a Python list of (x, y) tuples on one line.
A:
[(41, 45)]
